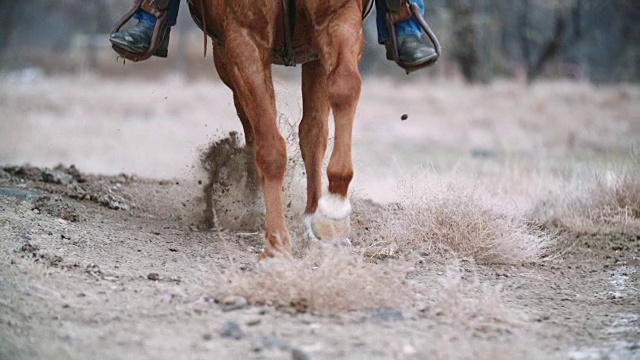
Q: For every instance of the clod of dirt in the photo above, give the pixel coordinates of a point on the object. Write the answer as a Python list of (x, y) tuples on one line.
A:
[(153, 276), (56, 176), (56, 206), (296, 306), (232, 303), (113, 201), (231, 329), (68, 181), (29, 249), (94, 270), (232, 197)]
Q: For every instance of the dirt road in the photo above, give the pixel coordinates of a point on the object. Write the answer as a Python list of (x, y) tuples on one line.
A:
[(122, 266)]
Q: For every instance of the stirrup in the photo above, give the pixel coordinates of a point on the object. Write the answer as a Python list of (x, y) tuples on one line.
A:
[(397, 13), (157, 8)]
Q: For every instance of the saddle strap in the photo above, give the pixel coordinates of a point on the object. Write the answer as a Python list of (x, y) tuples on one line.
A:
[(398, 10), (155, 7), (289, 16)]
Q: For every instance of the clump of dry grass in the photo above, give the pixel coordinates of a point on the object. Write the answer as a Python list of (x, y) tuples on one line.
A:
[(608, 202), (440, 219), (326, 280)]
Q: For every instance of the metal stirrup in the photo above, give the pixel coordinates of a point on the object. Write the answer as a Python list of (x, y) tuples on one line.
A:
[(417, 15)]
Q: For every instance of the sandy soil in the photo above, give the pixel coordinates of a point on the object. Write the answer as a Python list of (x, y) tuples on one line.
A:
[(122, 266)]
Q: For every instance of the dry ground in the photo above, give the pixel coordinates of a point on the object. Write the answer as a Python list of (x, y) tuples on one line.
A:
[(496, 222)]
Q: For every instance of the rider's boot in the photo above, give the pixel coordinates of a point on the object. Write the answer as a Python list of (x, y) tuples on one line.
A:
[(411, 50), (138, 39)]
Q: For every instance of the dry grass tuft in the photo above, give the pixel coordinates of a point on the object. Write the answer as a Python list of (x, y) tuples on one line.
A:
[(609, 202), (325, 281), (440, 219)]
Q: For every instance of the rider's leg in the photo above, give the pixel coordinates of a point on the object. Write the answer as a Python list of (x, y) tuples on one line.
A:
[(137, 39), (411, 49)]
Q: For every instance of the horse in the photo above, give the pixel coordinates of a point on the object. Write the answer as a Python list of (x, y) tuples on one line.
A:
[(327, 39)]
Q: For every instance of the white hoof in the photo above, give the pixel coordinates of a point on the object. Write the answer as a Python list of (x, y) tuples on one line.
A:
[(331, 222)]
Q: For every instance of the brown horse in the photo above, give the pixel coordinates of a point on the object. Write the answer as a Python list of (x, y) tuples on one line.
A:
[(328, 39)]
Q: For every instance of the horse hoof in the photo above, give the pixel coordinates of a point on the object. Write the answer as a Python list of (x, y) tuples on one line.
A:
[(331, 222)]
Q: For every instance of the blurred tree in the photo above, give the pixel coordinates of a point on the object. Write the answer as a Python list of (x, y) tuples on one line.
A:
[(7, 21), (566, 32), (464, 50)]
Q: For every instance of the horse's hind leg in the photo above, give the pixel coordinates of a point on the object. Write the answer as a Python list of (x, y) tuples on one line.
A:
[(338, 40)]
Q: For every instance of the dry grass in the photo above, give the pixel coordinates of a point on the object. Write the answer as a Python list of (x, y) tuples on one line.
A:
[(324, 281), (449, 217), (607, 202)]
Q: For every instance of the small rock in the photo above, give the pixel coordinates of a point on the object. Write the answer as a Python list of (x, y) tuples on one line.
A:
[(25, 237), (404, 117), (56, 176), (207, 337), (231, 329), (253, 322), (387, 315), (232, 303), (297, 354), (28, 248), (153, 276), (275, 342)]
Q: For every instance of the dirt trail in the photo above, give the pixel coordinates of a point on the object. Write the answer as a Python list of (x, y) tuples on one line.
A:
[(126, 266), (81, 279)]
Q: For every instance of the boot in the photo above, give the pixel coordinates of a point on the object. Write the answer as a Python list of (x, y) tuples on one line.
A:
[(411, 50), (138, 39)]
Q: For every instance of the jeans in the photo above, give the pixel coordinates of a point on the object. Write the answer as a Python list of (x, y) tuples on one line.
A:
[(407, 27), (172, 15)]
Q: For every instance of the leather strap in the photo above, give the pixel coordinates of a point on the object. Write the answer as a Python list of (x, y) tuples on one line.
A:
[(289, 16), (155, 7), (398, 10)]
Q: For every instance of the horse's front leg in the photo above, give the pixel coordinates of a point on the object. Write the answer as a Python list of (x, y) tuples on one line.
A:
[(249, 68), (338, 40), (313, 134), (253, 181)]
